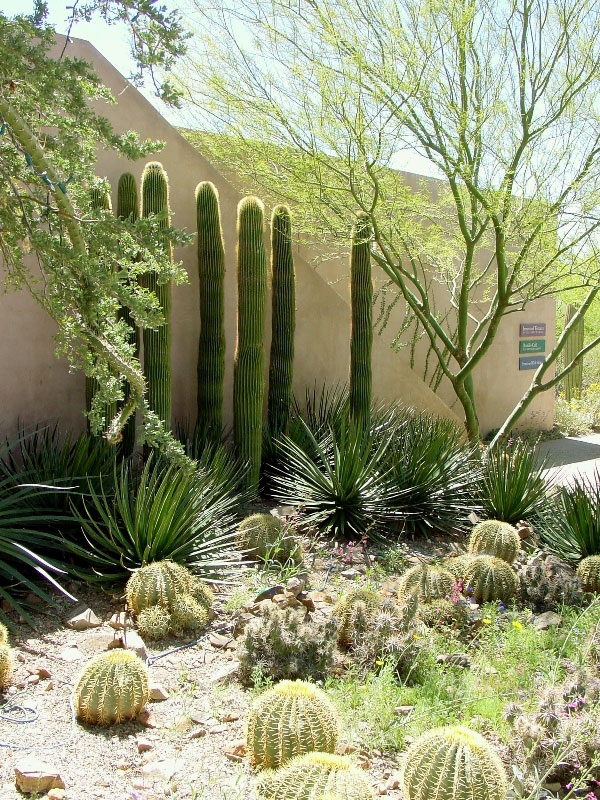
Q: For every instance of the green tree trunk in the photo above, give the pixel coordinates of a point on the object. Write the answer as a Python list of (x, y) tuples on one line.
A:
[(361, 341)]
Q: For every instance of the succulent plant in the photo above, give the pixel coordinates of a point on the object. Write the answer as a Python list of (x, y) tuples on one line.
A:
[(354, 610), (588, 571), (188, 614), (289, 720), (315, 776), (426, 583), (453, 763), (154, 622), (264, 536), (547, 582), (157, 584), (3, 633), (495, 538), (490, 578), (6, 664), (202, 592), (361, 338), (112, 688)]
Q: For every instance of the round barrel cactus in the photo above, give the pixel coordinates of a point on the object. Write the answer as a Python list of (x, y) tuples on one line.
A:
[(457, 566), (112, 688), (490, 578), (263, 536), (355, 610), (453, 763), (3, 633), (316, 776), (494, 538), (6, 664), (201, 592), (188, 614), (589, 573), (426, 583), (154, 622), (157, 584), (291, 719)]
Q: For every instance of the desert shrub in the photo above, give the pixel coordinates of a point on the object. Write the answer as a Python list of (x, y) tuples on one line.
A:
[(283, 644), (580, 415), (572, 530)]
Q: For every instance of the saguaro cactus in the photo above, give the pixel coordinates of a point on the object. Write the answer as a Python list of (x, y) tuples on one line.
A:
[(157, 343), (573, 382), (128, 208), (361, 341), (283, 322), (211, 275), (248, 368)]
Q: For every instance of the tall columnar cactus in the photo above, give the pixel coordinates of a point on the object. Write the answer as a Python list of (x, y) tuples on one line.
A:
[(316, 776), (573, 382), (453, 763), (264, 537), (157, 343), (283, 321), (361, 341), (128, 208), (425, 582), (211, 276), (490, 578), (6, 664), (588, 572), (289, 720), (495, 538), (158, 583), (248, 368), (112, 688)]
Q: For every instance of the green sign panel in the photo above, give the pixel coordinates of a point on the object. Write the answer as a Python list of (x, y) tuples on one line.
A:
[(532, 346)]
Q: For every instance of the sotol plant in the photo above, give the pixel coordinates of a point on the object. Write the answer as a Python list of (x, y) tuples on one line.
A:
[(264, 536), (112, 688), (425, 583), (289, 720), (453, 763), (490, 578), (361, 340), (495, 538), (316, 776)]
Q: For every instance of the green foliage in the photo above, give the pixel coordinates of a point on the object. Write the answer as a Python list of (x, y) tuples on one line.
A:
[(158, 583), (265, 537), (248, 368), (314, 776), (283, 644), (283, 322), (361, 340), (453, 763), (211, 276), (588, 571), (157, 342), (513, 487), (6, 664), (490, 578), (289, 720), (153, 622), (573, 382), (425, 582), (581, 415), (494, 538), (112, 688), (165, 512), (572, 528)]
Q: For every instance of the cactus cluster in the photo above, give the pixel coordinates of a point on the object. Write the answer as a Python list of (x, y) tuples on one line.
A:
[(588, 571), (6, 659), (547, 582), (112, 688), (355, 610), (361, 338), (495, 538), (426, 583), (265, 537), (490, 578), (289, 720), (315, 776), (453, 763), (157, 584)]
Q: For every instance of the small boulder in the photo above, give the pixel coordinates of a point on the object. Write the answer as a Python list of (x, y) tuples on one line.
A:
[(34, 775), (83, 620), (549, 619), (158, 692)]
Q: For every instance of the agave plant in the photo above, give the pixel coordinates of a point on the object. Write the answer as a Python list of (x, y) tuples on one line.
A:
[(165, 512), (572, 528)]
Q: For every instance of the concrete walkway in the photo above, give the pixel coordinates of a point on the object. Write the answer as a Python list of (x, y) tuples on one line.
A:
[(570, 457)]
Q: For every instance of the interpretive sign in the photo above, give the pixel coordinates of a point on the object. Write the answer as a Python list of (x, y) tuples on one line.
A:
[(531, 362), (532, 329), (532, 346)]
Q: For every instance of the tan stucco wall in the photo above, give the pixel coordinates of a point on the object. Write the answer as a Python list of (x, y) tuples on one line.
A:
[(39, 386)]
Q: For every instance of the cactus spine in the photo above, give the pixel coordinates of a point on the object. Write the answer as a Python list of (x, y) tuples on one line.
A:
[(425, 583), (157, 343), (573, 382), (289, 720), (361, 341), (112, 688), (283, 321), (588, 571), (316, 776), (211, 276), (453, 763), (128, 208), (248, 368), (494, 538), (490, 578)]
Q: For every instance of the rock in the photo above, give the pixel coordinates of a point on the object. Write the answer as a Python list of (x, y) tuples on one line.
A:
[(99, 640), (223, 674), (134, 642), (320, 597), (147, 719), (218, 729), (218, 640), (549, 619), (70, 654), (163, 769), (83, 620), (158, 692), (287, 600), (268, 594), (57, 794), (33, 599), (403, 711), (344, 749), (350, 574), (41, 672), (33, 775), (306, 601), (296, 585), (119, 621), (236, 751), (231, 716), (199, 733), (143, 745)]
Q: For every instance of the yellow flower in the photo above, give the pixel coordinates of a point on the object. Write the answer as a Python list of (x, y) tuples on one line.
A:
[(487, 621), (379, 663), (517, 625)]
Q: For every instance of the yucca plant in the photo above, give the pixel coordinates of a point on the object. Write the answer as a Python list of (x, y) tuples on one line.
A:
[(512, 486), (572, 528), (163, 513)]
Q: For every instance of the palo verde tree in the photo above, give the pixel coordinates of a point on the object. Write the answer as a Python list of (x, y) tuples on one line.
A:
[(316, 102), (82, 264)]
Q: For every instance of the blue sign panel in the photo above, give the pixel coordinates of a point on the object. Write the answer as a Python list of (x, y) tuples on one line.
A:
[(532, 329), (531, 362)]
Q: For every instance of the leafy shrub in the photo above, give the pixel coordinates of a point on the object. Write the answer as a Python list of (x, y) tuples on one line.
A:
[(573, 528), (282, 644), (163, 513), (513, 487), (580, 415)]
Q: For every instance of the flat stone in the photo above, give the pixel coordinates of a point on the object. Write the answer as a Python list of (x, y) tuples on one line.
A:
[(350, 574), (83, 621), (199, 733), (231, 716), (549, 619), (295, 585), (218, 640), (41, 672), (97, 641), (321, 597), (34, 775), (158, 692), (147, 719), (57, 794), (223, 674), (70, 654), (134, 642), (236, 751), (162, 770), (403, 711), (143, 745), (218, 729), (119, 621)]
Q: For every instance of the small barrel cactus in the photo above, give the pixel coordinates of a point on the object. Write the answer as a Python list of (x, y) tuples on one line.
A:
[(494, 538), (589, 573), (112, 688), (3, 633), (316, 776), (289, 720), (188, 614), (157, 584), (355, 610), (490, 578), (426, 583), (263, 536), (457, 566), (201, 592), (453, 763), (6, 664), (154, 622)]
